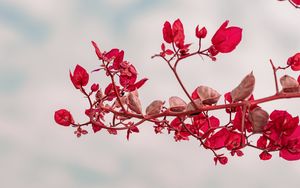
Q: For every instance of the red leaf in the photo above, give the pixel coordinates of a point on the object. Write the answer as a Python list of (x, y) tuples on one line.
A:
[(265, 156), (217, 140), (63, 117), (167, 32), (137, 85), (262, 142), (97, 127), (118, 60), (112, 131), (112, 54), (178, 33), (226, 39), (80, 77), (97, 50)]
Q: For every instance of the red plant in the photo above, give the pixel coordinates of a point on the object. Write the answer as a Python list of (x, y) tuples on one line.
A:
[(116, 106), (295, 3)]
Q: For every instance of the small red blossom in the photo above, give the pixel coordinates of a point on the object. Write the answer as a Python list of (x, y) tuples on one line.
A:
[(80, 132), (226, 38), (201, 33), (221, 159), (174, 34), (63, 117), (80, 77), (95, 87), (165, 51), (294, 62)]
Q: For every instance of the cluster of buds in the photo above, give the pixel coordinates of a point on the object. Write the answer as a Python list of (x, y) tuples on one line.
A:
[(117, 107)]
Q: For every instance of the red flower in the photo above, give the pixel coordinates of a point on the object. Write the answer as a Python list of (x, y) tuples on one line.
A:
[(217, 140), (80, 77), (201, 33), (294, 62), (291, 148), (63, 117), (234, 141), (226, 39), (174, 34)]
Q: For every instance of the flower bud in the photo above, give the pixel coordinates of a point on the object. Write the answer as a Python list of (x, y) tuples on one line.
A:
[(289, 84), (177, 104), (208, 95), (154, 107), (201, 33), (95, 87), (244, 89), (258, 118), (134, 102)]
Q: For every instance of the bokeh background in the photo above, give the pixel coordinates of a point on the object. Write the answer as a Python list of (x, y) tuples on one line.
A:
[(41, 40)]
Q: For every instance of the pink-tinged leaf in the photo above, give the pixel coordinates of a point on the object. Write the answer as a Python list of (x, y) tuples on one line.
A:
[(80, 77), (97, 50), (167, 32), (63, 117)]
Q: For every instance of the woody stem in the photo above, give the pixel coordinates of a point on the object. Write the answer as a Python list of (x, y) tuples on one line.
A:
[(275, 76)]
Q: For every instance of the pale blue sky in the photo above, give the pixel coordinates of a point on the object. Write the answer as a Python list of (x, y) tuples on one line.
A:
[(41, 40)]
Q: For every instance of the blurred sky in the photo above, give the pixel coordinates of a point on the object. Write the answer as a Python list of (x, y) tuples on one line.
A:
[(41, 40)]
